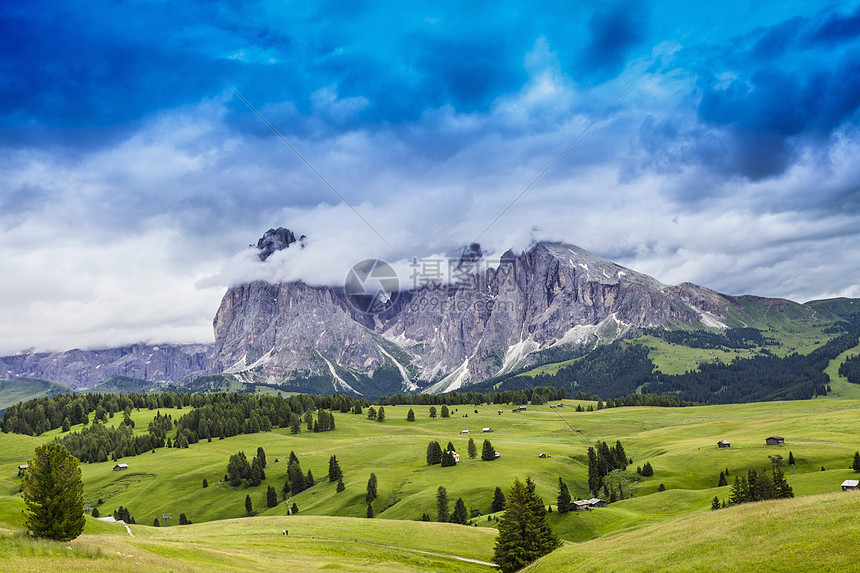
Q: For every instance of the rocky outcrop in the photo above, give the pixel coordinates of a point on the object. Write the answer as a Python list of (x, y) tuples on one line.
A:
[(451, 335), (81, 369)]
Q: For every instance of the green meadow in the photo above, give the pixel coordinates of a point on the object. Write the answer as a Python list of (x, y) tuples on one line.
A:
[(331, 530)]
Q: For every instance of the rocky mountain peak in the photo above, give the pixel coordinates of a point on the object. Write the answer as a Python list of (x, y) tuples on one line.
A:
[(276, 240)]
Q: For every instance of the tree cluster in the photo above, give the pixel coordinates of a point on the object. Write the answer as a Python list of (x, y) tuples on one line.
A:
[(601, 461), (850, 369), (760, 485), (524, 534)]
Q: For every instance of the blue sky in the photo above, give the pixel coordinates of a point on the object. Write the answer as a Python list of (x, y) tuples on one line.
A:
[(133, 178)]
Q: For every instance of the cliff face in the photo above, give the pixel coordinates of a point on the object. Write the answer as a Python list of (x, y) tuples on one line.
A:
[(554, 294), (81, 369)]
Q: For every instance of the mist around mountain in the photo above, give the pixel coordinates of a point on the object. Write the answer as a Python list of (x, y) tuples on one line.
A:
[(484, 321)]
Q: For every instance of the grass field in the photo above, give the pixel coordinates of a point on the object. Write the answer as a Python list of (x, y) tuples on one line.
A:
[(680, 443)]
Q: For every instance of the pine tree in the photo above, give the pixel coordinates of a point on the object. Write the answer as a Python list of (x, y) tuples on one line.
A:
[(498, 501), (294, 509), (444, 412), (425, 517), (432, 412), (53, 494), (791, 459), (95, 512), (524, 535), (340, 486), (334, 471), (722, 481), (371, 488), (371, 413), (856, 465), (563, 500), (155, 523), (369, 511), (434, 453), (662, 487), (442, 514), (295, 424), (595, 478), (309, 480), (248, 507), (780, 484), (448, 459), (205, 483), (183, 520), (472, 448), (715, 504), (296, 478), (255, 475), (740, 491), (238, 468), (261, 455), (66, 424), (459, 515), (271, 497), (488, 454), (380, 416), (410, 415)]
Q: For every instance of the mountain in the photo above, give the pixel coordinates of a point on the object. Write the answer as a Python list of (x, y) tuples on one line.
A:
[(552, 297), (502, 316), (80, 369)]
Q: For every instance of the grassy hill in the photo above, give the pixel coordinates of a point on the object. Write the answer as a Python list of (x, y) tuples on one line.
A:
[(680, 444), (23, 389), (814, 533)]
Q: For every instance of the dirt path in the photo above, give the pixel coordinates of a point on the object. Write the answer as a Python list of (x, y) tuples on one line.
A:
[(127, 528), (467, 559)]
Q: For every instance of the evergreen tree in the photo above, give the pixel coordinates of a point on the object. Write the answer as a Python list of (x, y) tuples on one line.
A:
[(856, 465), (473, 449), (380, 416), (205, 483), (432, 412), (340, 486), (498, 501), (53, 494), (334, 471), (296, 478), (434, 453), (451, 447), (294, 509), (448, 459), (459, 515), (261, 455), (248, 507), (444, 412), (95, 512), (595, 478), (488, 454), (740, 491), (66, 424), (155, 523), (295, 424), (620, 461), (791, 459), (309, 480), (293, 457), (442, 513), (369, 511), (371, 488), (662, 487), (371, 413), (237, 468), (524, 535), (780, 484), (563, 500), (722, 481), (183, 520), (255, 476), (425, 517), (410, 415), (271, 497), (715, 504)]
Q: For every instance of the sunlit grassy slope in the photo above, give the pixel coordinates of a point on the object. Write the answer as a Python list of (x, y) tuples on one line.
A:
[(815, 533)]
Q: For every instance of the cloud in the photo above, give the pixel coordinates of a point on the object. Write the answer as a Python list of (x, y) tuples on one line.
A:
[(133, 178)]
